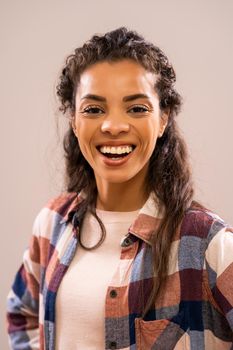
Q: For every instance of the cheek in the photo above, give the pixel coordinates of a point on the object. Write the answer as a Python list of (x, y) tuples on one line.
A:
[(82, 131), (84, 135), (149, 133)]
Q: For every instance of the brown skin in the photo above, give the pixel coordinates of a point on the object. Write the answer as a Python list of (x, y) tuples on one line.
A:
[(139, 122)]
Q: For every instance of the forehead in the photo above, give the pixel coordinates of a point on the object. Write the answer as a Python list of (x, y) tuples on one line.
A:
[(121, 76)]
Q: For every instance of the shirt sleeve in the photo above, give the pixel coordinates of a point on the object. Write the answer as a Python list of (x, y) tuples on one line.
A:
[(23, 300), (219, 261)]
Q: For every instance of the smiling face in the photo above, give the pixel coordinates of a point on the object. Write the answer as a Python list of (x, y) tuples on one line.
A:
[(117, 120)]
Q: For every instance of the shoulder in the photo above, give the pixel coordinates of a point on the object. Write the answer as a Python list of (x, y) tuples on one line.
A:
[(63, 203), (203, 223), (55, 212), (203, 228)]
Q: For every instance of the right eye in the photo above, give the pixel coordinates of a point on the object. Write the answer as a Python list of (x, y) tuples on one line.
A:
[(93, 110)]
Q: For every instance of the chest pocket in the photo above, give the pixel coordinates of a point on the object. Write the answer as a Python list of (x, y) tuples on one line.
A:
[(160, 335)]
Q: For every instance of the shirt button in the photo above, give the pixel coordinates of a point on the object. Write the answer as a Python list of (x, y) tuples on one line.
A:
[(126, 242), (113, 293), (113, 345)]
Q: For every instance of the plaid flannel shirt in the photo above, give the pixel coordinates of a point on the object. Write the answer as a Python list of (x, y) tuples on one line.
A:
[(195, 310)]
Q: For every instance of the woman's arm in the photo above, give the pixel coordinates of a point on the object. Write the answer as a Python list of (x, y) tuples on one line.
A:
[(219, 263), (23, 301)]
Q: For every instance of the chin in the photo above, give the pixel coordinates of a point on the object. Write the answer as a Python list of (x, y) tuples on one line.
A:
[(117, 179)]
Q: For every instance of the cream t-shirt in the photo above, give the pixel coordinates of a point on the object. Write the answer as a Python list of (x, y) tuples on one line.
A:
[(80, 301)]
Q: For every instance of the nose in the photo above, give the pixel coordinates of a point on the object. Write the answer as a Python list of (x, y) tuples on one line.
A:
[(115, 125)]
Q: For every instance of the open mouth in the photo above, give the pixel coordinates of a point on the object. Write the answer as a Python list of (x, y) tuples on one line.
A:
[(116, 152)]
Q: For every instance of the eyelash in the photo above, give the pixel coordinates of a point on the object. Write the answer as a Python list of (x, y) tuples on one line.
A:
[(89, 108)]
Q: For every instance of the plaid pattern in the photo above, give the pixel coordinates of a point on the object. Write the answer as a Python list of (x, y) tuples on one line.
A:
[(194, 311)]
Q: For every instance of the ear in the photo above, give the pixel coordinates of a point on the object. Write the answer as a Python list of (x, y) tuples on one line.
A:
[(163, 122)]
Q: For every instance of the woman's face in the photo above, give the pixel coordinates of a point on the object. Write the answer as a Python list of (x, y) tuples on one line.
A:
[(118, 120)]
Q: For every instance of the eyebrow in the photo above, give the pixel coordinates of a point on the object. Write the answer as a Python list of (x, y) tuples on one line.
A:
[(103, 99)]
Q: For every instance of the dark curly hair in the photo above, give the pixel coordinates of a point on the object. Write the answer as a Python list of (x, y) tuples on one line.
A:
[(169, 175)]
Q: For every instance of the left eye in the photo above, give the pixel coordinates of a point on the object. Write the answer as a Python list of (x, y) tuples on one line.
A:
[(138, 109)]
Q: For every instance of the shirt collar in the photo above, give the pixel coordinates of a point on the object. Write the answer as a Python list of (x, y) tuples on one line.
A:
[(148, 220), (144, 226)]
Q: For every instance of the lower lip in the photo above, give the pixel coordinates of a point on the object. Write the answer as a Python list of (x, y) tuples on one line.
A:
[(117, 162)]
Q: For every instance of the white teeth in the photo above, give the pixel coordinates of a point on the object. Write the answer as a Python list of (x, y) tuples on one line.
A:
[(116, 150)]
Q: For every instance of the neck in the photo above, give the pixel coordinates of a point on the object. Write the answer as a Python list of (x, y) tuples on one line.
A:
[(120, 197)]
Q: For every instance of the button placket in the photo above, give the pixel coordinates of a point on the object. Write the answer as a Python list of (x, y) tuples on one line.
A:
[(113, 302), (112, 332)]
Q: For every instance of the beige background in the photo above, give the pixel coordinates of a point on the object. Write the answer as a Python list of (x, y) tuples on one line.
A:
[(35, 37)]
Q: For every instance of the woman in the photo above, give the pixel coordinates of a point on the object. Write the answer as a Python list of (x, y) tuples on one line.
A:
[(124, 259)]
